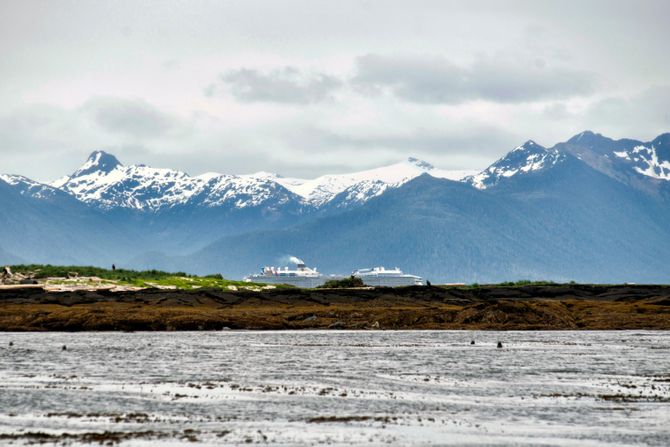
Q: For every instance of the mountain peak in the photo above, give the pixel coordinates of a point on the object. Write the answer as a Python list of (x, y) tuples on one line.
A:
[(98, 161), (663, 140), (528, 158), (420, 163), (530, 145), (588, 138)]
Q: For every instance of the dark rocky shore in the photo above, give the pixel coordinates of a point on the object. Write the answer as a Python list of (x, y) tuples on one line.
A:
[(484, 307)]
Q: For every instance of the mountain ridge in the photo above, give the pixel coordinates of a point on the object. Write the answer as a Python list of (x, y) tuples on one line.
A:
[(589, 204), (104, 182)]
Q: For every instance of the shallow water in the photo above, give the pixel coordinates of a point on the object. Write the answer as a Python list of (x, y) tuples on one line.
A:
[(336, 387)]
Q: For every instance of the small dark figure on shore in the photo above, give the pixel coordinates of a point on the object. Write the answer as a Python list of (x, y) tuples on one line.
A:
[(64, 348), (472, 342), (428, 284), (499, 345), (11, 343), (113, 267)]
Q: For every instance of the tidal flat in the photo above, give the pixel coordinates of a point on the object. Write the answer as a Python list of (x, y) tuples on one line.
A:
[(571, 388)]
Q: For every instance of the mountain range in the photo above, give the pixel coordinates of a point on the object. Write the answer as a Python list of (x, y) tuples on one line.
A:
[(588, 209)]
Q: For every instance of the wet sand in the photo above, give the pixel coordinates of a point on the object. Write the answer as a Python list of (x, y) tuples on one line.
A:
[(560, 307)]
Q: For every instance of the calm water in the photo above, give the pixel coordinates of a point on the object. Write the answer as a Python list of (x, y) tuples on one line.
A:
[(305, 388)]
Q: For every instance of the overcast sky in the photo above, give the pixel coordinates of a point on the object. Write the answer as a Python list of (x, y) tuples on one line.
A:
[(309, 87)]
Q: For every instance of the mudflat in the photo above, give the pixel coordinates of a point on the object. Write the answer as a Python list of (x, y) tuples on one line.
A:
[(550, 307)]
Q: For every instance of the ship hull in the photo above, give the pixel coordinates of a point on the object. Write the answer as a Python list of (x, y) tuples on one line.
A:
[(391, 281), (304, 282)]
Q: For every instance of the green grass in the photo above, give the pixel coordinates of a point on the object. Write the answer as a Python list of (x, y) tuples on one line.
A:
[(192, 282), (48, 270), (139, 278)]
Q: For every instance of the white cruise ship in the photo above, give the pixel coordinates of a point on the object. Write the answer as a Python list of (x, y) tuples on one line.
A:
[(300, 276), (382, 277)]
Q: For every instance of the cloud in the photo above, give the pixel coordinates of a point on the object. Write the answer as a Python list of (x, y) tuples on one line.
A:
[(484, 140), (130, 117), (643, 115), (455, 145), (52, 140), (416, 79), (437, 80), (287, 85)]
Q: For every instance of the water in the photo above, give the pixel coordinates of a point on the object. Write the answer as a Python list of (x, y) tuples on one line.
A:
[(336, 387)]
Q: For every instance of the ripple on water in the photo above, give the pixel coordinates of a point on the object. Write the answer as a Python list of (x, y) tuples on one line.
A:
[(421, 388)]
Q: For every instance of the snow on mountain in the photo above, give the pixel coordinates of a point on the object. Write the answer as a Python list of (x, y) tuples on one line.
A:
[(104, 182), (29, 187), (630, 161), (363, 185), (648, 160), (241, 191), (527, 158)]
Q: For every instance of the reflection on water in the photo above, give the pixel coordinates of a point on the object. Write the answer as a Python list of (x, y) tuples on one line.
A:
[(288, 388)]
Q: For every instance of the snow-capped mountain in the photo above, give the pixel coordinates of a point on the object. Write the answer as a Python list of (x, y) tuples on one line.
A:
[(358, 187), (104, 182), (642, 165), (530, 157)]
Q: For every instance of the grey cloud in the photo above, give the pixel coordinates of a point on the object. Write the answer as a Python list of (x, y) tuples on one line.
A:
[(556, 111), (130, 117), (454, 146), (49, 141), (437, 80), (33, 128), (485, 140), (209, 91), (285, 85), (644, 115)]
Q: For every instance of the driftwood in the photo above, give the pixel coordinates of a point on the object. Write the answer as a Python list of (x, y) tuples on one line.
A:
[(8, 277)]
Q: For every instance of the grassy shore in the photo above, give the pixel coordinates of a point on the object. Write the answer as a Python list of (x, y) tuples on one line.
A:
[(90, 276)]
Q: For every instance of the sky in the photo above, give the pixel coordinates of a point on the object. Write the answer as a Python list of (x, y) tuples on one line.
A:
[(308, 87)]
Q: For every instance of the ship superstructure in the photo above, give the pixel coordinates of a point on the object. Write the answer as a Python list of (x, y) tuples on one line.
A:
[(383, 277)]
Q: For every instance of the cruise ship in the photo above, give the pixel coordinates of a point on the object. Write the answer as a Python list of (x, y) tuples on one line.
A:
[(382, 277), (300, 276)]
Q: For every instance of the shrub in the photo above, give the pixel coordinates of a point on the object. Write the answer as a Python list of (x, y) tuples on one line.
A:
[(352, 281)]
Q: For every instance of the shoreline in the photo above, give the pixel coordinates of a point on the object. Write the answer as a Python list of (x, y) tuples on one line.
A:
[(551, 307)]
